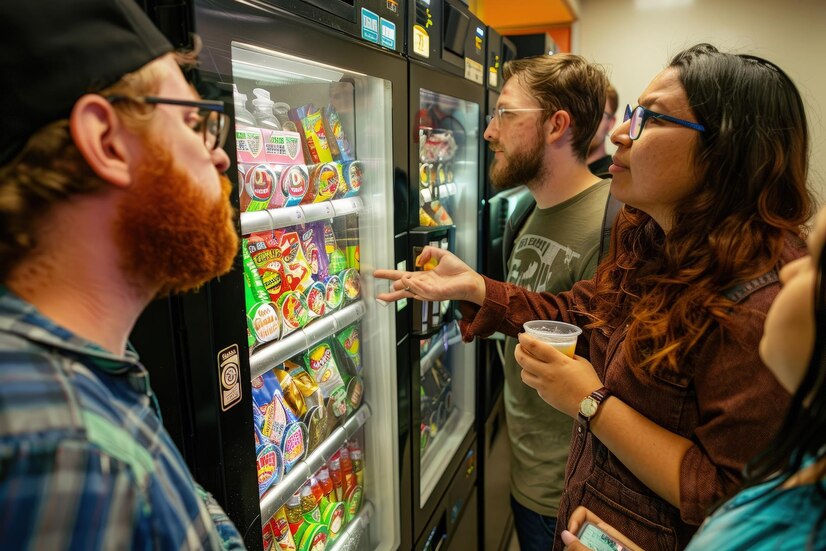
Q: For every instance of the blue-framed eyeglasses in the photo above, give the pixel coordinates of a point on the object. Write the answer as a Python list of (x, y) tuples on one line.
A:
[(212, 121), (497, 112), (639, 115)]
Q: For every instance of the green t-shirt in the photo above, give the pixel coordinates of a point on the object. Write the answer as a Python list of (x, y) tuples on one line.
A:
[(556, 247)]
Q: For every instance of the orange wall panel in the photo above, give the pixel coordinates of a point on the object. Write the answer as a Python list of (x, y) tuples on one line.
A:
[(508, 16)]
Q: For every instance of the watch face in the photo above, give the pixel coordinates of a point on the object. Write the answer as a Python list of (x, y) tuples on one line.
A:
[(588, 406)]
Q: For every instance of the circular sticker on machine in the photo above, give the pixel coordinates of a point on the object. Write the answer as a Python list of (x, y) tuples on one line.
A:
[(260, 182)]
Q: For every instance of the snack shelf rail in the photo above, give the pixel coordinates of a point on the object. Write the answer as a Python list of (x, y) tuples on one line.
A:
[(270, 355), (273, 219)]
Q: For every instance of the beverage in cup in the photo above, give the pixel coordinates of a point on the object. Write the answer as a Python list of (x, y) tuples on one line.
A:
[(557, 333)]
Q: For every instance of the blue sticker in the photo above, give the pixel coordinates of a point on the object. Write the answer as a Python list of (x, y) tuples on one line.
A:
[(369, 25), (388, 34)]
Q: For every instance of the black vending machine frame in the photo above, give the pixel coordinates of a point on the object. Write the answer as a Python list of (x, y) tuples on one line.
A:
[(192, 344), (438, 520)]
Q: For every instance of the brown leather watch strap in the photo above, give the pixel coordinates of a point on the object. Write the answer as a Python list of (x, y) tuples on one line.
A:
[(592, 401)]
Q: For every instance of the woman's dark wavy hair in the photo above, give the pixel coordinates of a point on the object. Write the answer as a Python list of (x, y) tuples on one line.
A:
[(751, 166)]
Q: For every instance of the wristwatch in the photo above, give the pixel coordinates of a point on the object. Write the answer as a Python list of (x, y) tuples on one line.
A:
[(589, 405)]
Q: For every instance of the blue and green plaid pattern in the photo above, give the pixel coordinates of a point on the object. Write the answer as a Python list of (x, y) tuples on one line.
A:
[(85, 462)]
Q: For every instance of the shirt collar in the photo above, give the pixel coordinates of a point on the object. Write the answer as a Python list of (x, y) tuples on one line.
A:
[(21, 318)]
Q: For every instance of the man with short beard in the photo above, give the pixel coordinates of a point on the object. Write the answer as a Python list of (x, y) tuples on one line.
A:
[(540, 131), (111, 193)]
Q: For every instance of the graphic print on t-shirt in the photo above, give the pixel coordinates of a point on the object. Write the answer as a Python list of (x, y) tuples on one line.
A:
[(533, 261)]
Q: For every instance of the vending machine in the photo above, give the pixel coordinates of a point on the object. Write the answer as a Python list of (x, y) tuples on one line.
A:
[(446, 50), (278, 380)]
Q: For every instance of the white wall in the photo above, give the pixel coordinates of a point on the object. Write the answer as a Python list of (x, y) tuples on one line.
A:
[(635, 39)]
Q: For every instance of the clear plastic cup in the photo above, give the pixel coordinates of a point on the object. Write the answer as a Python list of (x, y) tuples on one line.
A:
[(557, 333)]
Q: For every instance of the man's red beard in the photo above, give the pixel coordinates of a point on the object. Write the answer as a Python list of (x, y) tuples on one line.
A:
[(171, 237)]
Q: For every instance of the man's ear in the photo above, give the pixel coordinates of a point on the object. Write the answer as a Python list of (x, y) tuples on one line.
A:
[(102, 139), (556, 125)]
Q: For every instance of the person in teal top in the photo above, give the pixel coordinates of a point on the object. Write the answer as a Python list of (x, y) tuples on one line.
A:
[(784, 503)]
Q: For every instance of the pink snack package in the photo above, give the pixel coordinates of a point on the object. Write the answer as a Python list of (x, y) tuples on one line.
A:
[(282, 147)]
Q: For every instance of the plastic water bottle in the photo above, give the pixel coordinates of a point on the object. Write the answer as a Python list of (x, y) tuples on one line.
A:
[(262, 110), (242, 116)]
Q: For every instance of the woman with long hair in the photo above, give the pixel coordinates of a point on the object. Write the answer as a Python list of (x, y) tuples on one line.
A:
[(784, 503), (673, 398)]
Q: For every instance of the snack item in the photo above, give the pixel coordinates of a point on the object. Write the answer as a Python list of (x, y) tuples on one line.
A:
[(296, 268), (269, 412), (308, 120), (333, 516), (269, 461), (438, 213), (263, 322), (324, 182), (316, 300), (322, 366), (281, 531), (283, 147), (355, 393), (294, 447), (259, 183), (335, 132), (351, 241), (292, 307), (351, 283), (302, 379), (350, 340), (334, 292), (425, 219), (352, 502), (292, 395), (315, 250), (353, 176), (318, 427), (313, 537), (293, 183), (243, 197), (249, 145)]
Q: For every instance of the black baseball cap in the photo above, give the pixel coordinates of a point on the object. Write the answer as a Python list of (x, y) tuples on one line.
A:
[(55, 51)]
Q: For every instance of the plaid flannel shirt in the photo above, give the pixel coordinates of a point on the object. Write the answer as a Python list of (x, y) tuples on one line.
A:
[(85, 462)]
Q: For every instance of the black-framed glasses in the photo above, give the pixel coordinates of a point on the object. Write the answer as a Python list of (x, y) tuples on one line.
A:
[(212, 121), (497, 112), (639, 115)]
